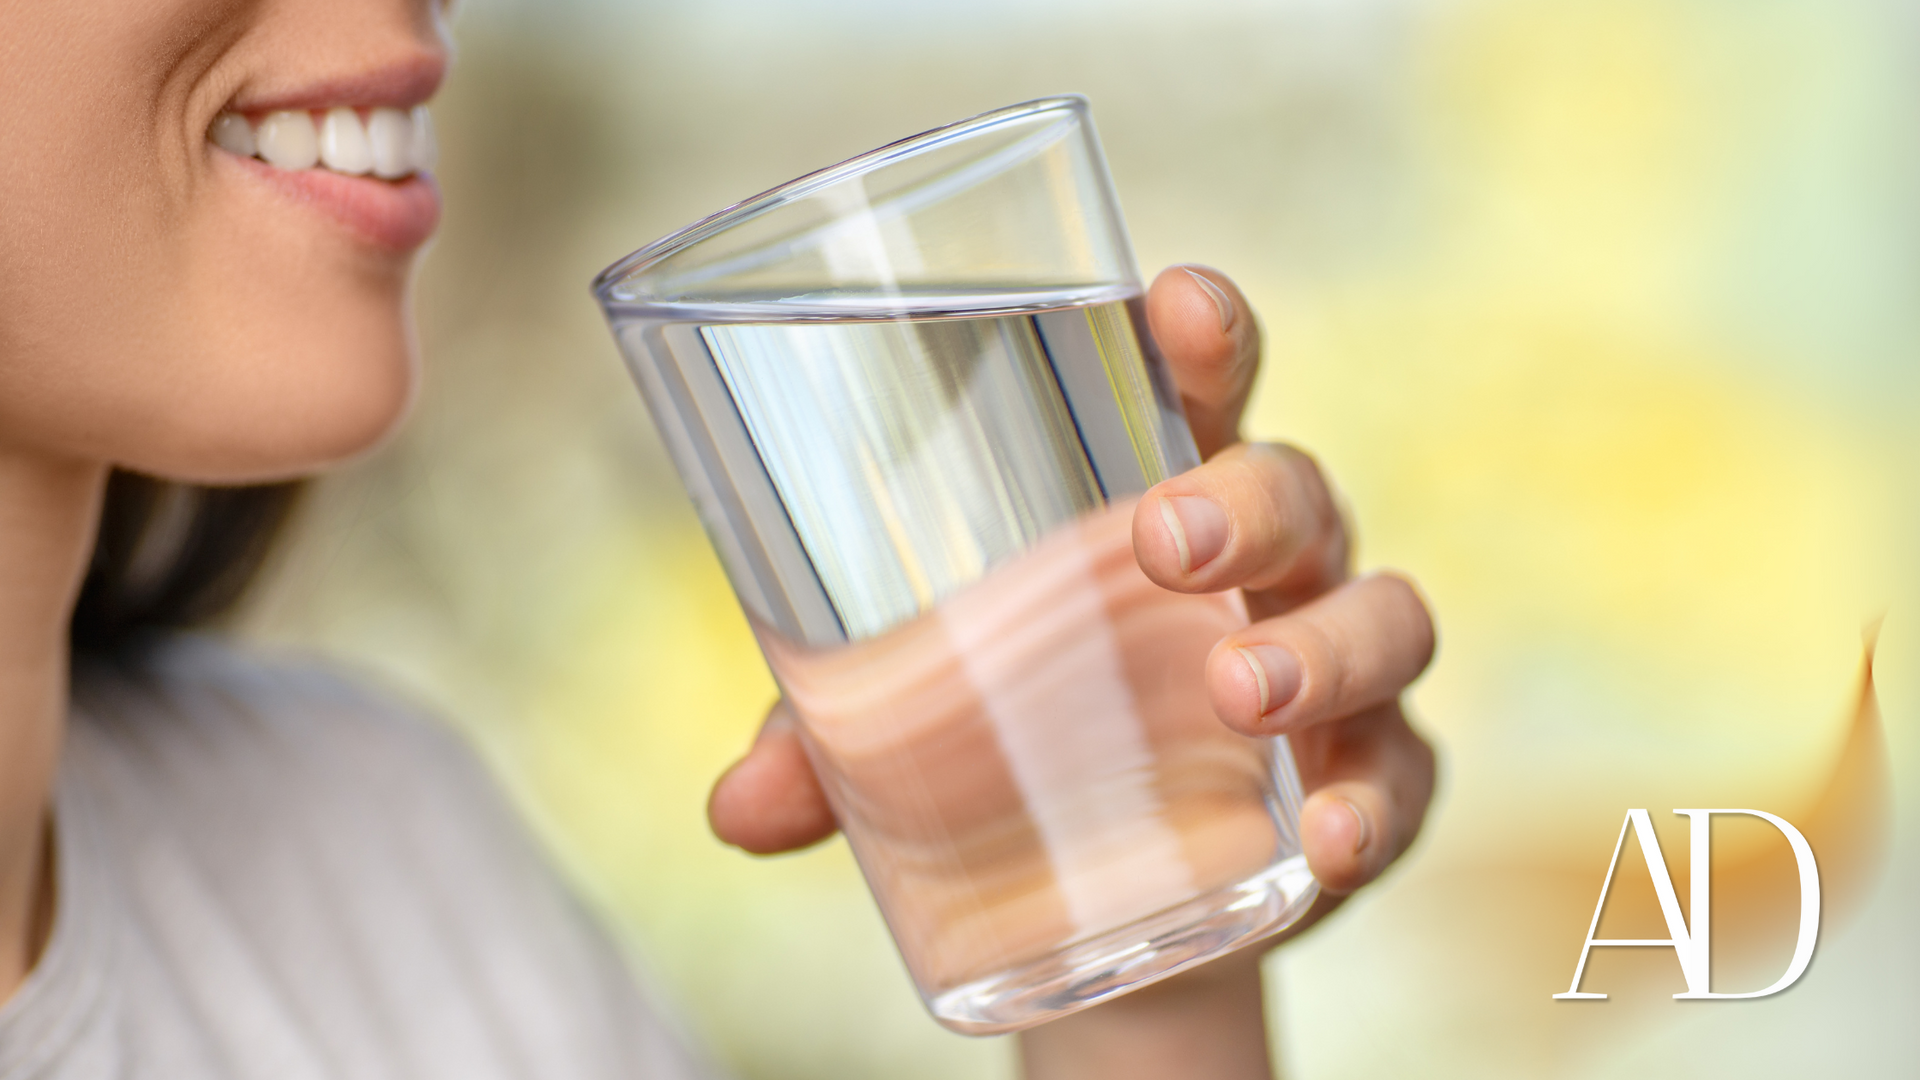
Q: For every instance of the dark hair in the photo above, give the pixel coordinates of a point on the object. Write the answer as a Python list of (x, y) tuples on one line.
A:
[(172, 555)]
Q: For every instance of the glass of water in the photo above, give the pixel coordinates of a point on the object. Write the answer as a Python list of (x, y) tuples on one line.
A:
[(915, 402)]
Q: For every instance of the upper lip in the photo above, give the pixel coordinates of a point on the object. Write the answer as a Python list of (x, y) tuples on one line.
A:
[(400, 84)]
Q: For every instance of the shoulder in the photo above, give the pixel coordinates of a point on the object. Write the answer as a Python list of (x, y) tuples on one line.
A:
[(357, 858), (272, 774), (224, 715), (275, 779)]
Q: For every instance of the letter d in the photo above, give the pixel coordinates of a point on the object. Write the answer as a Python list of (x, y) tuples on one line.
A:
[(1809, 898)]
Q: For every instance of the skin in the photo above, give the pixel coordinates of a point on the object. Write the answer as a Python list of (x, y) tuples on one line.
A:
[(1358, 642), (165, 309)]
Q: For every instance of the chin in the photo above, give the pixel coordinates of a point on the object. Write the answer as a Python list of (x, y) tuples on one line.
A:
[(279, 455), (279, 389), (290, 439), (270, 414)]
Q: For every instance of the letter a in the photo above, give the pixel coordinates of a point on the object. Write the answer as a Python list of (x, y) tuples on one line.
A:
[(1693, 959)]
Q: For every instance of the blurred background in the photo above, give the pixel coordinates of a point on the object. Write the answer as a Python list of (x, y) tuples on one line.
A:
[(1603, 314)]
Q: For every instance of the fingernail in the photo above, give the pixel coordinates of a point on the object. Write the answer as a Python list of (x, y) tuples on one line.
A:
[(1343, 829), (1275, 671), (1222, 303), (1198, 527), (1361, 834)]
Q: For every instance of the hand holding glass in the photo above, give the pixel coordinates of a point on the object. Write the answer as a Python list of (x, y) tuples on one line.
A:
[(915, 402)]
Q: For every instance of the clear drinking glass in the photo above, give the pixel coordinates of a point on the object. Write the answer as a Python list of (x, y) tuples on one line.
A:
[(915, 402)]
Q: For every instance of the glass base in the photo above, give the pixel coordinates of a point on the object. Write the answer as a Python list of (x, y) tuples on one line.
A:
[(1133, 956)]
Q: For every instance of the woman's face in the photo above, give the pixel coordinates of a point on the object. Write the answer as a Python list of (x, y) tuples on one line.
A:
[(172, 306)]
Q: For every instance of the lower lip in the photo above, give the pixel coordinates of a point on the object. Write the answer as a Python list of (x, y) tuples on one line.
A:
[(398, 215)]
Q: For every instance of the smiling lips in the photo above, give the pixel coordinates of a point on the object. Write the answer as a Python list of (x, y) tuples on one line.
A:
[(367, 168)]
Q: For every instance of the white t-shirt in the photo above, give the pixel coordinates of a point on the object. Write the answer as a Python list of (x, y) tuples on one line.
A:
[(265, 872)]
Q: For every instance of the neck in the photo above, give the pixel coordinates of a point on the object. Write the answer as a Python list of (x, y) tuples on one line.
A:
[(48, 511)]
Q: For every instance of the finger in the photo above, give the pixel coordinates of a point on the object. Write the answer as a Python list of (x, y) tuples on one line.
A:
[(1207, 333), (1259, 516), (1354, 648), (770, 801), (1372, 779)]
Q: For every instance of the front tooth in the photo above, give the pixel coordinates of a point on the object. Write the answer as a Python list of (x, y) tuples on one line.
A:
[(343, 143), (426, 149), (232, 133), (391, 135), (287, 140)]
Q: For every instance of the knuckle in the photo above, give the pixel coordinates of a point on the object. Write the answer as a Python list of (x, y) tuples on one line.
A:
[(1302, 494), (1271, 490), (1324, 658), (1407, 611), (1301, 467)]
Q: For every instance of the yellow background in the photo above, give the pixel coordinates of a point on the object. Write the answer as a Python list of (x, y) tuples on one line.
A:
[(1602, 313)]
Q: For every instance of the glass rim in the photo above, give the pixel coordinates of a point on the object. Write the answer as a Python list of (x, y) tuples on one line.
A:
[(680, 239)]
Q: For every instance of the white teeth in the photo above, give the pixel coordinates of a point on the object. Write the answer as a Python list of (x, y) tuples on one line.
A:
[(390, 143), (426, 148), (232, 133), (287, 140), (391, 135), (343, 143)]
